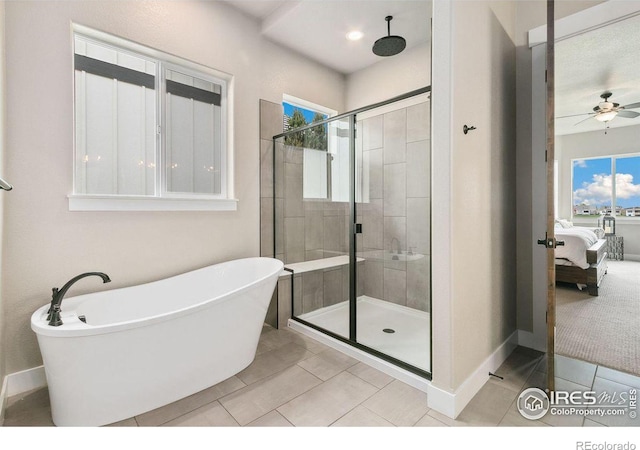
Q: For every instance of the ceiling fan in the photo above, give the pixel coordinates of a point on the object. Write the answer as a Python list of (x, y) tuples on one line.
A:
[(606, 110)]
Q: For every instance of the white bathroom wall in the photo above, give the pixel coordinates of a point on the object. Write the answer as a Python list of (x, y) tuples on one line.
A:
[(44, 243), (483, 301), (390, 77), (3, 352)]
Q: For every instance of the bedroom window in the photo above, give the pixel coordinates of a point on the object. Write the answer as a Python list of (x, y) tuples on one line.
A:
[(606, 186), (150, 129)]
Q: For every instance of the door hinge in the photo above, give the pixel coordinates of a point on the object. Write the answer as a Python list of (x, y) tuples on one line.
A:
[(545, 76)]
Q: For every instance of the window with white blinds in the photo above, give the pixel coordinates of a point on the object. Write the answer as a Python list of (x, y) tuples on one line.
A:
[(146, 128)]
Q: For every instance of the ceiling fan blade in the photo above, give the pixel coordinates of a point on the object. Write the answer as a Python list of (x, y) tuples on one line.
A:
[(574, 115), (583, 120), (632, 106), (628, 114)]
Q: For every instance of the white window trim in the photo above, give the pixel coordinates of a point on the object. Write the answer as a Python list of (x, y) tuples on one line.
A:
[(295, 101), (85, 202), (168, 201)]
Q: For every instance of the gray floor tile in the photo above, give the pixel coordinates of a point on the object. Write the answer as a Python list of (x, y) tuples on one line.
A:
[(361, 417), (539, 380), (326, 403), (448, 421), (257, 399), (271, 339), (612, 395), (517, 368), (327, 363), (176, 409), (211, 415), (536, 379), (488, 407), (131, 422), (429, 421), (618, 377), (399, 403), (574, 370), (514, 419), (30, 409), (371, 375), (304, 341), (273, 361), (272, 419), (591, 423)]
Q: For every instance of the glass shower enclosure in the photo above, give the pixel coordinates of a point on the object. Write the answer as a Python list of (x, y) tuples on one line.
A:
[(352, 225)]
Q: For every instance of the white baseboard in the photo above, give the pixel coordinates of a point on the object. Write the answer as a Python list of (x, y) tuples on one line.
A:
[(25, 381), (470, 387), (3, 400)]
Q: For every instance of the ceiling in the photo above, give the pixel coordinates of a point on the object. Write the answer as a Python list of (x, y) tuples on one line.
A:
[(317, 29), (586, 65)]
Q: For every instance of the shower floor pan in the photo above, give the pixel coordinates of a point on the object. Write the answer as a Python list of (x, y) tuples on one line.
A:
[(395, 330)]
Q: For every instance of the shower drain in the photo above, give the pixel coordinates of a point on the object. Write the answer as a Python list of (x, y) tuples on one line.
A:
[(389, 330)]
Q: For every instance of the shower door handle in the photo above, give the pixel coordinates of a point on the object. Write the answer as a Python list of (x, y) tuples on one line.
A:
[(358, 228)]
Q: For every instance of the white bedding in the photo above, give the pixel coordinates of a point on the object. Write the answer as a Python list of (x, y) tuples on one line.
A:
[(576, 242)]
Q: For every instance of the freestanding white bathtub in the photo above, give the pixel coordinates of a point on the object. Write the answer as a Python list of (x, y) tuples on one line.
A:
[(145, 346)]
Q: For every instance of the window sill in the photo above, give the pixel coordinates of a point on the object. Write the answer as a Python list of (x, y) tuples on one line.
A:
[(619, 221), (134, 203)]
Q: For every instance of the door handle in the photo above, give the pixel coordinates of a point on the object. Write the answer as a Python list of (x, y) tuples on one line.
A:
[(550, 242)]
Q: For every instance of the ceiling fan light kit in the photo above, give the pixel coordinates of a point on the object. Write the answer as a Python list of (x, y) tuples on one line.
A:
[(606, 111), (606, 116)]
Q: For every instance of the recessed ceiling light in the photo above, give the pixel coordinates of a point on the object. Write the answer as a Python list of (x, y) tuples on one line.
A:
[(354, 35)]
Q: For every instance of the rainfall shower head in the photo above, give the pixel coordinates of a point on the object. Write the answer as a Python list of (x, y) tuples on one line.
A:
[(389, 45)]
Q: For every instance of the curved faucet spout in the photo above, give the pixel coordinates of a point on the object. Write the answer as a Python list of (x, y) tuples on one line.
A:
[(58, 295)]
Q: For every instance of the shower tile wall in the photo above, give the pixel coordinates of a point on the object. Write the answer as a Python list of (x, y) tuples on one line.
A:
[(305, 229), (394, 153), (396, 177), (312, 229), (271, 124)]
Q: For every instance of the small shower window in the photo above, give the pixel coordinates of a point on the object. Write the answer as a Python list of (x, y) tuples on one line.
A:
[(150, 129), (316, 145)]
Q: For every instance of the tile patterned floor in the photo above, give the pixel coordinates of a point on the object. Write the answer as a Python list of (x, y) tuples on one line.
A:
[(296, 381)]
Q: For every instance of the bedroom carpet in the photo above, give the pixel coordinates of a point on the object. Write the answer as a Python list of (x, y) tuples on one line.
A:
[(603, 329)]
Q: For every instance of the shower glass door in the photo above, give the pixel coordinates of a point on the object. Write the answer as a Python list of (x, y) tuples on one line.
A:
[(352, 223), (317, 211), (393, 203)]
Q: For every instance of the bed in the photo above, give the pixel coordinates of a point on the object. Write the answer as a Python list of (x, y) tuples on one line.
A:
[(582, 259)]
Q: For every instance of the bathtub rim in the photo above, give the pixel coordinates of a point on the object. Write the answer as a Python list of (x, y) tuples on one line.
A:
[(73, 327)]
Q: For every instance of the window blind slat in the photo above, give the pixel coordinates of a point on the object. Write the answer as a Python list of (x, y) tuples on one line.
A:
[(108, 70)]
